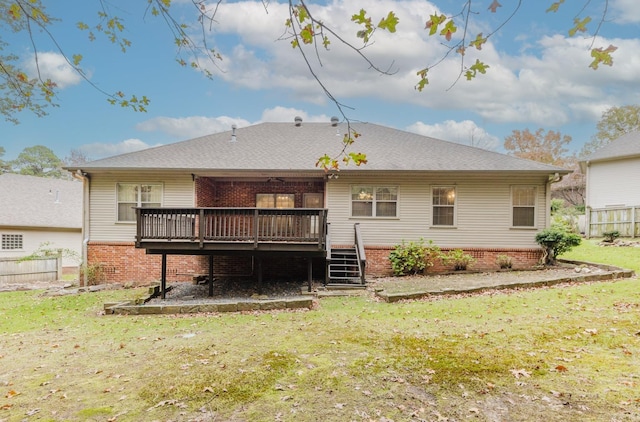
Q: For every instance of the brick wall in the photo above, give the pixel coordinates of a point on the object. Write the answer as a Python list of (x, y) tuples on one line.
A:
[(122, 262), (378, 263), (213, 193)]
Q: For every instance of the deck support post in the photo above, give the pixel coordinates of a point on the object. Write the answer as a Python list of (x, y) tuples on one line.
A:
[(309, 271), (259, 275), (210, 275), (163, 277)]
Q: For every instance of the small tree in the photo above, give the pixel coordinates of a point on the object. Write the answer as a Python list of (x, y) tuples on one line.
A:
[(555, 241)]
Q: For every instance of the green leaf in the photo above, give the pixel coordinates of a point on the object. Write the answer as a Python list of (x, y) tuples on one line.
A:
[(477, 43), (77, 58), (449, 29), (555, 6), (389, 23), (602, 56), (302, 13), (307, 34), (360, 18), (434, 22), (358, 158), (424, 81), (479, 66), (580, 25)]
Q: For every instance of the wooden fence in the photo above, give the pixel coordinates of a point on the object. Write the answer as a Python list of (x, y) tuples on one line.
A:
[(625, 220), (17, 270)]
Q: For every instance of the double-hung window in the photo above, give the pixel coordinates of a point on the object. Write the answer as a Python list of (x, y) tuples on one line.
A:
[(132, 195), (374, 201), (523, 203), (444, 205), (11, 242)]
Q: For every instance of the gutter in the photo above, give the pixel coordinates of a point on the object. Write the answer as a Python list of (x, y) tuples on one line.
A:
[(86, 189)]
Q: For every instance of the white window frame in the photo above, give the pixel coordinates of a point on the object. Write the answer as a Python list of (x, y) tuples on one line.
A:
[(454, 206), (11, 242), (374, 200), (534, 206), (139, 202)]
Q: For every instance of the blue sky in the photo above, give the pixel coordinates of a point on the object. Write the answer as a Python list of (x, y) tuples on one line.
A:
[(539, 77)]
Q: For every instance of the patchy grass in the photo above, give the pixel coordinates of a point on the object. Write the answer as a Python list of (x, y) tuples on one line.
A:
[(562, 353), (590, 251)]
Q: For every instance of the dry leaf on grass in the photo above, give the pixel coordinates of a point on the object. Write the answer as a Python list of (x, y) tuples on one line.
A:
[(520, 373)]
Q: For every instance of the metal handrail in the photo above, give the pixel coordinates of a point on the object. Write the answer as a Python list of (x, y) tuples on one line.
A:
[(360, 251)]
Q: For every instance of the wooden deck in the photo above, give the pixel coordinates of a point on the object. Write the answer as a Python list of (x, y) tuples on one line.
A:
[(224, 231), (207, 231)]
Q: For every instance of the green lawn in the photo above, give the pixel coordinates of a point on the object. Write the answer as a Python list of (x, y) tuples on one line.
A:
[(589, 250), (564, 353)]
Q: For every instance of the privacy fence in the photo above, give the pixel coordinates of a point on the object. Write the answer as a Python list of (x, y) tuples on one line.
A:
[(625, 220), (17, 270)]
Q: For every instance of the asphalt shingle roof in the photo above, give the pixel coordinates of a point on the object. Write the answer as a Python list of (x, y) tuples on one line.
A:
[(285, 146), (29, 201), (628, 145)]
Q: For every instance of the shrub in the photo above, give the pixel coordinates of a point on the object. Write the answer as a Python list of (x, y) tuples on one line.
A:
[(457, 259), (431, 254), (504, 261), (611, 236), (555, 241), (413, 257), (95, 274)]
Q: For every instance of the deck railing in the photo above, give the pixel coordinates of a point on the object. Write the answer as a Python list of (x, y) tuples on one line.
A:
[(250, 225)]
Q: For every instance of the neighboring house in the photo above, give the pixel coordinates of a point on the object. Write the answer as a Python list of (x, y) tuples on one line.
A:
[(613, 191), (39, 212), (254, 198)]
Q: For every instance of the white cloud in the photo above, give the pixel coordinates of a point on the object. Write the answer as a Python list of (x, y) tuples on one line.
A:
[(540, 79), (626, 11), (101, 150), (190, 127), (194, 126), (52, 66), (285, 114), (465, 132)]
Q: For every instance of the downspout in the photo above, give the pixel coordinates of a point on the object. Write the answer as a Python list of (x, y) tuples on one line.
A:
[(84, 177)]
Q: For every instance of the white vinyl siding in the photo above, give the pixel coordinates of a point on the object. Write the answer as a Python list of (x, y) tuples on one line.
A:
[(611, 183), (483, 211), (178, 191)]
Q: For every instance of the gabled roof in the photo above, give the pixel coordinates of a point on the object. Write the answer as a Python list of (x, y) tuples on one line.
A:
[(40, 202), (628, 145), (287, 147)]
